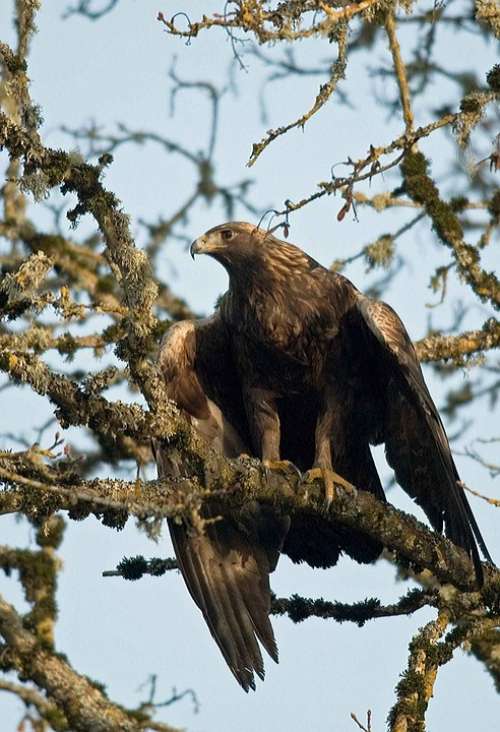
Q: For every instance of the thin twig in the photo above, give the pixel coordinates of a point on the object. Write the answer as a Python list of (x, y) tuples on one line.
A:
[(400, 69)]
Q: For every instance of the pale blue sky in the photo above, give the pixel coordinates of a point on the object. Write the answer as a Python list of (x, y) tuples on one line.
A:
[(120, 632)]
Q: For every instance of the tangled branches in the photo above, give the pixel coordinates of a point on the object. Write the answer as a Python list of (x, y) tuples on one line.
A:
[(71, 297)]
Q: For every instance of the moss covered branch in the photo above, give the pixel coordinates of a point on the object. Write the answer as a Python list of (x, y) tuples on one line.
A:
[(437, 347), (47, 710), (79, 704), (422, 189), (417, 683), (225, 486), (427, 654), (282, 23), (140, 291), (297, 608)]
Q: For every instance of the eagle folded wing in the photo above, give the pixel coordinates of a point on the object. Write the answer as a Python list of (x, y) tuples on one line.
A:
[(226, 568), (416, 444)]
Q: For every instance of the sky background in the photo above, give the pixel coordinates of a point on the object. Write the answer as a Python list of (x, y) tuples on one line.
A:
[(121, 632)]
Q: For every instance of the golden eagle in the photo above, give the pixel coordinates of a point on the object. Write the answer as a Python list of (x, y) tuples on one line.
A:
[(298, 365)]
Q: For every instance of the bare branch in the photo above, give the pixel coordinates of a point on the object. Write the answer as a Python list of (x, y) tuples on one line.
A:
[(400, 71), (326, 90)]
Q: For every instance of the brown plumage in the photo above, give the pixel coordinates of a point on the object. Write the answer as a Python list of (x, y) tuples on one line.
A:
[(226, 567), (298, 365)]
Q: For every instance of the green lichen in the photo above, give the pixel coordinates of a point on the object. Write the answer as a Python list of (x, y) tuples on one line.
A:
[(66, 344), (114, 518), (36, 183), (414, 163), (47, 243), (40, 620), (488, 12), (38, 577), (472, 108), (106, 284), (79, 511), (422, 189), (381, 252), (36, 570), (458, 203), (493, 78), (56, 719), (494, 206), (132, 568), (51, 533), (470, 105)]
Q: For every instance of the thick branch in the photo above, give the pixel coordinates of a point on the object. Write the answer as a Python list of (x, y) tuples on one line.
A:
[(77, 405), (427, 654), (230, 484), (441, 347)]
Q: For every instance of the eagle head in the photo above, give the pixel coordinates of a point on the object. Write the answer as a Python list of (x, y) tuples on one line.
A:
[(233, 244), (247, 252)]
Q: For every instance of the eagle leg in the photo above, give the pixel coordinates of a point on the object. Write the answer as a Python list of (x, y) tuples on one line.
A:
[(329, 422), (332, 481), (265, 428)]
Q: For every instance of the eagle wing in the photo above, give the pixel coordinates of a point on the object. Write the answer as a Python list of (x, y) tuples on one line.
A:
[(226, 567), (408, 422)]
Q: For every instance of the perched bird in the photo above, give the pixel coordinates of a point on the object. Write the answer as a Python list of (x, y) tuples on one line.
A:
[(326, 372), (298, 366)]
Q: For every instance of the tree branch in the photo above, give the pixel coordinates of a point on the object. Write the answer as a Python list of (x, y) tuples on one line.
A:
[(400, 71), (47, 710), (229, 484), (326, 90), (422, 189), (299, 608), (437, 347), (83, 704), (416, 686), (250, 17), (427, 654)]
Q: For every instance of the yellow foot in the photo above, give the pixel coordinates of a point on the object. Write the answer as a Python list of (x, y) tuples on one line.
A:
[(332, 481), (282, 466)]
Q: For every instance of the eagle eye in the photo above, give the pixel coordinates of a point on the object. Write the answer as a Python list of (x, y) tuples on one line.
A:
[(227, 234)]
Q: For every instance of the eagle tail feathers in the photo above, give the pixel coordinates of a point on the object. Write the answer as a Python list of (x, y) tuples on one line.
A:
[(459, 521), (231, 588), (462, 528)]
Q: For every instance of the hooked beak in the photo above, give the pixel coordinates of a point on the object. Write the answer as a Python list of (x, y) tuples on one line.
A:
[(202, 245), (194, 248)]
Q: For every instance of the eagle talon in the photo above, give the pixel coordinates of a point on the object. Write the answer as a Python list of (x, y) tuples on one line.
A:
[(282, 466), (334, 483)]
